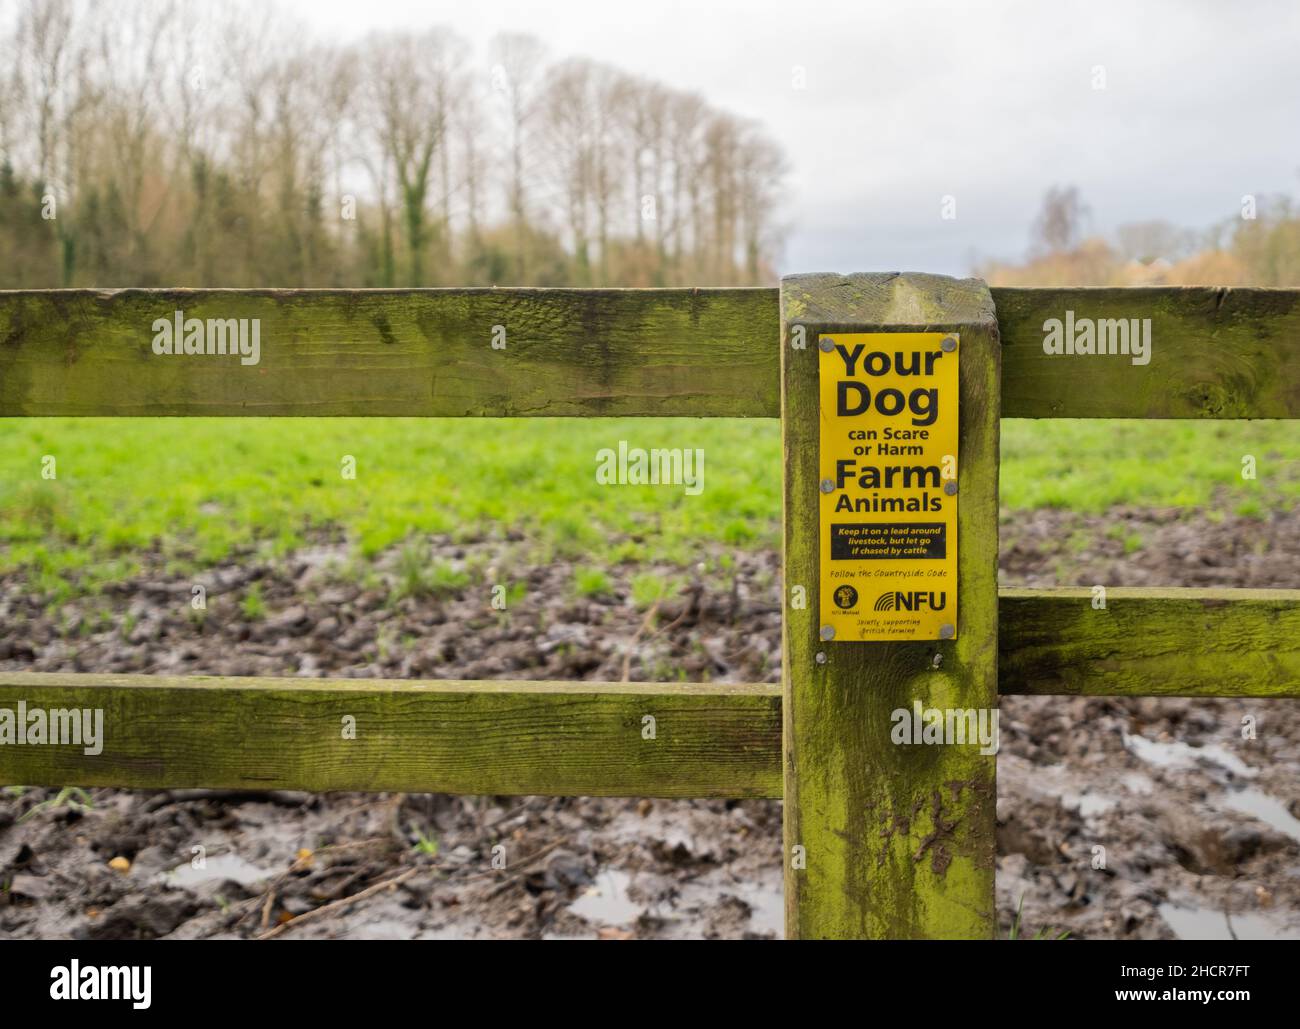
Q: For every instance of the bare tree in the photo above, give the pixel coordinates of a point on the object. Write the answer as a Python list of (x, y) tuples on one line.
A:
[(686, 118), (1059, 225), (570, 125), (195, 144), (517, 73), (760, 168), (408, 78)]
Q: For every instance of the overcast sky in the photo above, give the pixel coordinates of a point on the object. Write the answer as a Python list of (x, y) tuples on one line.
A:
[(906, 102)]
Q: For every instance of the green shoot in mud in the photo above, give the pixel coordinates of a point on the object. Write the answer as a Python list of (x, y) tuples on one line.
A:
[(74, 798), (1042, 934), (591, 582), (253, 607), (425, 845), (418, 575), (649, 589)]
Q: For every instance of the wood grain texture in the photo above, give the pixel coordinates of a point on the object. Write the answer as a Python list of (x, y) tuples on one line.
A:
[(1151, 643), (559, 738), (898, 840), (1217, 353), (707, 352)]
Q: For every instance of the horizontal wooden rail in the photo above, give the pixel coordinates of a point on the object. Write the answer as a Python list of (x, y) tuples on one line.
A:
[(397, 352), (496, 737), (585, 738), (1216, 353), (1150, 642)]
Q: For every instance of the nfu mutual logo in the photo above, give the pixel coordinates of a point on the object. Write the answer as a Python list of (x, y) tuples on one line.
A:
[(240, 337), (912, 600)]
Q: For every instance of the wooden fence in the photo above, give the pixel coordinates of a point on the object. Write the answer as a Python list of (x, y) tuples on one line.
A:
[(881, 841)]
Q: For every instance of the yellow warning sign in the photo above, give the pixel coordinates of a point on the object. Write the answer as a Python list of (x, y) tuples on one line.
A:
[(888, 461)]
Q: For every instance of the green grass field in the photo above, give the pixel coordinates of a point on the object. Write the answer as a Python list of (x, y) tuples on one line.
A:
[(196, 489)]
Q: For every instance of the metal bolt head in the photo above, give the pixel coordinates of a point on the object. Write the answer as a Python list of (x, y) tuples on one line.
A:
[(948, 345), (827, 344), (947, 631), (820, 657), (828, 632), (828, 486), (950, 487)]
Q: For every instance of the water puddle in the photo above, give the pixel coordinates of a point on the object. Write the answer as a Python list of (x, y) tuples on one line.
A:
[(1259, 804), (1138, 784), (1058, 781), (767, 910), (1173, 754), (1089, 805), (221, 868), (396, 929), (605, 902), (1190, 923)]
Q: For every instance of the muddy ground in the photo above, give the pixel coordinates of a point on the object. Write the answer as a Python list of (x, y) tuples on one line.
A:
[(1200, 827)]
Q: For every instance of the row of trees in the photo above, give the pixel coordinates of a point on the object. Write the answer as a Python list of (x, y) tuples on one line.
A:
[(160, 142), (1259, 246)]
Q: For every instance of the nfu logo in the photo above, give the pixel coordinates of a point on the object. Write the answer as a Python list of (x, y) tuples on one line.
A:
[(845, 597), (912, 600)]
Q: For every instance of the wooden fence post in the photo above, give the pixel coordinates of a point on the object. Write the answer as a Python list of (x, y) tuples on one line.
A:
[(882, 840)]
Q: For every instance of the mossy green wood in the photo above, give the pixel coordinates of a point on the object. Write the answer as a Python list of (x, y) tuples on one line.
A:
[(894, 841), (1217, 353), (1151, 642), (397, 352), (559, 738)]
